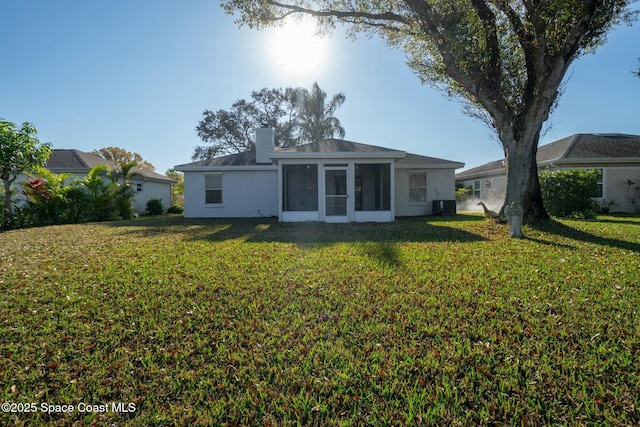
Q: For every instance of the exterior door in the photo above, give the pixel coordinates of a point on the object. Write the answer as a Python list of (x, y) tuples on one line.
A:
[(336, 194)]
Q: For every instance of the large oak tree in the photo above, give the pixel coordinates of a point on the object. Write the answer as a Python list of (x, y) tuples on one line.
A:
[(504, 59)]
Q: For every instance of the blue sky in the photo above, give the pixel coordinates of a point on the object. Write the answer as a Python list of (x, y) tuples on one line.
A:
[(137, 74)]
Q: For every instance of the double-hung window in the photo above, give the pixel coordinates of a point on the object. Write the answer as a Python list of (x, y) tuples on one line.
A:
[(476, 189), (213, 189), (418, 187)]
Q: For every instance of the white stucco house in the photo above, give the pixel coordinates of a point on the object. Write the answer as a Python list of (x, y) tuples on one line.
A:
[(329, 181), (146, 185), (615, 156)]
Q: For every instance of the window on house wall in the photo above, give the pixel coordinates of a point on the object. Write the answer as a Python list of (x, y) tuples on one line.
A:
[(476, 189), (139, 187), (417, 187), (600, 191), (213, 189), (599, 183)]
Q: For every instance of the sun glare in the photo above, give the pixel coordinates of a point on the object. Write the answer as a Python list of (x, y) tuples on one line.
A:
[(297, 50)]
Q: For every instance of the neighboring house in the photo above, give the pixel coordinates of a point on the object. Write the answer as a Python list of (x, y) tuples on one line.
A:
[(330, 181), (148, 185), (616, 156)]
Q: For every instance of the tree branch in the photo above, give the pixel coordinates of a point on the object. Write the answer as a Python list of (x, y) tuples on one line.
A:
[(488, 20), (491, 100), (329, 13)]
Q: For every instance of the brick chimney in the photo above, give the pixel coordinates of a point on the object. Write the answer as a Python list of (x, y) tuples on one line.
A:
[(265, 143)]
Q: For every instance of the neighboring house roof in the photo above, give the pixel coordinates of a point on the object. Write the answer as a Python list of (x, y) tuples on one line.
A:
[(574, 149), (591, 146), (66, 160), (496, 167), (329, 148)]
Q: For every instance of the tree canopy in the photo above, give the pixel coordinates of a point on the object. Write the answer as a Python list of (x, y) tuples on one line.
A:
[(296, 114), (122, 157), (177, 189), (504, 60), (20, 151)]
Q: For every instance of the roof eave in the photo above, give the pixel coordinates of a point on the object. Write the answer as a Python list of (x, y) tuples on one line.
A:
[(493, 172), (452, 165), (69, 170), (187, 168), (597, 160), (152, 179)]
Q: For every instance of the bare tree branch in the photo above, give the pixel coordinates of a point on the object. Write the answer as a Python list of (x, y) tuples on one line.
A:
[(340, 14)]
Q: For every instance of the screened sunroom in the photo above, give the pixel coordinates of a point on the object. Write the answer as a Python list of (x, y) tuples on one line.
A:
[(337, 192)]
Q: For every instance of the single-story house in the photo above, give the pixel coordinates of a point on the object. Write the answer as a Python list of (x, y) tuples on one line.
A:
[(616, 156), (329, 181), (147, 184)]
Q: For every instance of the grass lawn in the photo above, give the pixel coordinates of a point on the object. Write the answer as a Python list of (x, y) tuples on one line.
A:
[(446, 321)]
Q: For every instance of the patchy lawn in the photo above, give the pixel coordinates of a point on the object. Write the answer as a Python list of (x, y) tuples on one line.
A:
[(168, 321)]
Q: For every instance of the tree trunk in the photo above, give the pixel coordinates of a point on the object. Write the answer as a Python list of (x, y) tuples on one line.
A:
[(523, 185), (8, 207)]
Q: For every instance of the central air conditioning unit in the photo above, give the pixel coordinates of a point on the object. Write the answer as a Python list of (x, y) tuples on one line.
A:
[(444, 207)]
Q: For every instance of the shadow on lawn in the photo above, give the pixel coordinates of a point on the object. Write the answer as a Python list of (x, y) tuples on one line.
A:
[(325, 234), (560, 229), (415, 229), (377, 241)]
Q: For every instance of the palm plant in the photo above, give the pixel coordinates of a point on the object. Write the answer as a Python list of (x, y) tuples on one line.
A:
[(124, 172), (102, 194), (317, 121), (124, 192)]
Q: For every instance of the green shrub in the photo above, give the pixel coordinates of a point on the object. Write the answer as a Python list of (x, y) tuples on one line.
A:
[(463, 193), (175, 209), (154, 207), (569, 193), (124, 194), (46, 197), (78, 204), (6, 221)]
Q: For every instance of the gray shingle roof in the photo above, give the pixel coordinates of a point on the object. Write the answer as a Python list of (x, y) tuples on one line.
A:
[(573, 148), (65, 160), (591, 145), (246, 158), (336, 146), (496, 166), (328, 146), (417, 160)]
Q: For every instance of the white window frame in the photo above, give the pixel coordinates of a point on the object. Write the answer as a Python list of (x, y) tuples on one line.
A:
[(476, 189), (600, 184), (424, 188), (213, 188)]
